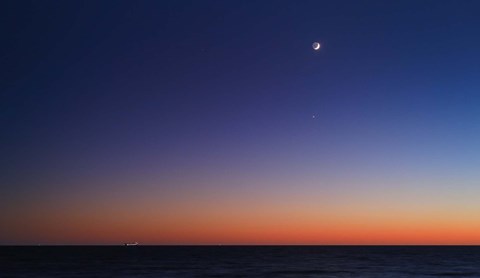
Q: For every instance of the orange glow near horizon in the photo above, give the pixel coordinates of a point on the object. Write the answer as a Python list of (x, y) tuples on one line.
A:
[(283, 219), (255, 232)]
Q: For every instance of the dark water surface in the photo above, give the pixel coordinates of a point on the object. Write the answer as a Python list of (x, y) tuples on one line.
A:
[(240, 261)]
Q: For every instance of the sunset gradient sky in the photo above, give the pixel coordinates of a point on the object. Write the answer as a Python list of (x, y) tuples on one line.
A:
[(191, 122)]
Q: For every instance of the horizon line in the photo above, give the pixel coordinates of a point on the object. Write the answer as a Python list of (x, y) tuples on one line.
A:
[(235, 245)]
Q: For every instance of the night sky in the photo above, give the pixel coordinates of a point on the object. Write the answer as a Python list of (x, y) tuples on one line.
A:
[(215, 122)]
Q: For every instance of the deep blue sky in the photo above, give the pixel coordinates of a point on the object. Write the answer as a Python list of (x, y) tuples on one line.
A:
[(166, 93)]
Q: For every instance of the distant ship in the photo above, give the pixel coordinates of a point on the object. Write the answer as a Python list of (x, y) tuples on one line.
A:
[(130, 244)]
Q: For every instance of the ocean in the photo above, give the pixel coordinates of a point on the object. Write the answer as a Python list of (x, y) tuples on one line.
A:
[(240, 261)]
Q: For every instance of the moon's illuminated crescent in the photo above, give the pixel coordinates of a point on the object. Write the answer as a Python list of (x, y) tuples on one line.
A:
[(316, 46)]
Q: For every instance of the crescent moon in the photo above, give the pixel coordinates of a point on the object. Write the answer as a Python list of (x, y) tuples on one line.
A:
[(316, 46)]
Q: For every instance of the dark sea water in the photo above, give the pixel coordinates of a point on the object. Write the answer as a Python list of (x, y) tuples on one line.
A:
[(240, 261)]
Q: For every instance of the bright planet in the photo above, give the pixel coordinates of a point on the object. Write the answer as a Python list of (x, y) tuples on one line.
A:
[(316, 46)]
